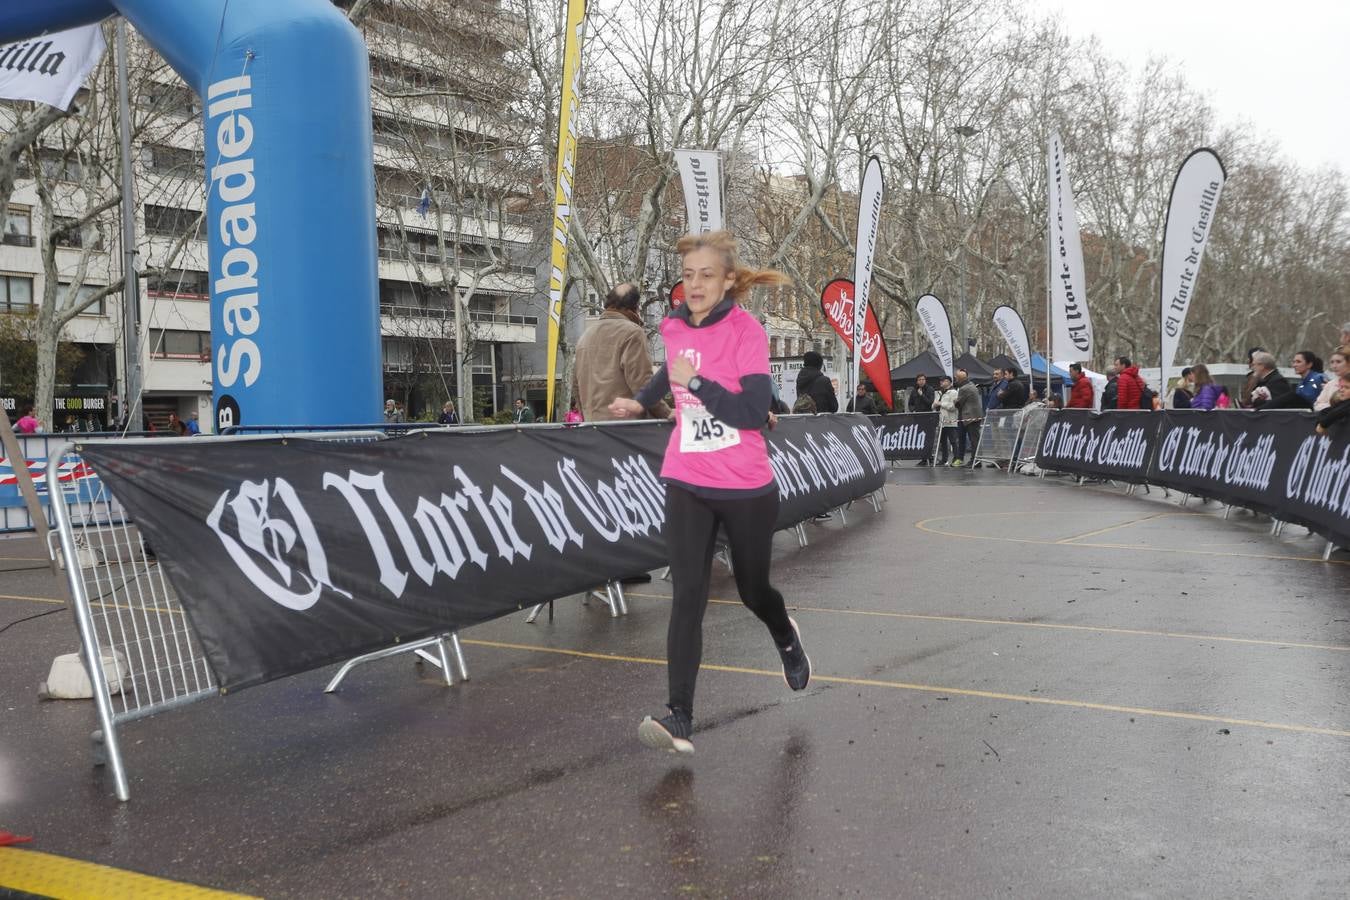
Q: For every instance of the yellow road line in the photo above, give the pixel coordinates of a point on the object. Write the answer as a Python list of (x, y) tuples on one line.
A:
[(972, 620), (934, 689), (45, 875), (32, 599), (1079, 537), (923, 525)]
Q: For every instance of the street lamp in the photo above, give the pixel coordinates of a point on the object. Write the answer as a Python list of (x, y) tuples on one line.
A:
[(962, 132)]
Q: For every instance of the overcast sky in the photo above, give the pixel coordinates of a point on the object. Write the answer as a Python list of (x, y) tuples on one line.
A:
[(1283, 66)]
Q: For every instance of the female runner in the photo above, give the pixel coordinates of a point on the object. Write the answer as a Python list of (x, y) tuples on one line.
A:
[(716, 468)]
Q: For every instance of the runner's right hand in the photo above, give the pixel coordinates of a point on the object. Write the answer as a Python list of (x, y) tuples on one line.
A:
[(624, 408)]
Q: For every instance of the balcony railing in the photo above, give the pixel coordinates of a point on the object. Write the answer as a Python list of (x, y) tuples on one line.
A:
[(475, 315), (18, 240)]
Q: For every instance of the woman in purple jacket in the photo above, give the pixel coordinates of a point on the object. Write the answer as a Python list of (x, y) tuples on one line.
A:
[(1207, 390)]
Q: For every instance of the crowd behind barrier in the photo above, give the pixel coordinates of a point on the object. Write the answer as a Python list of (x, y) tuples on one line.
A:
[(246, 558)]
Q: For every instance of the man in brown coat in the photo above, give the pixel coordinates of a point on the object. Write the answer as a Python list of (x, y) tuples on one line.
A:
[(612, 358)]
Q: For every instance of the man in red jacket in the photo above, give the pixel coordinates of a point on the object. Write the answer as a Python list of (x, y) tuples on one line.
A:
[(1129, 386), (1082, 394)]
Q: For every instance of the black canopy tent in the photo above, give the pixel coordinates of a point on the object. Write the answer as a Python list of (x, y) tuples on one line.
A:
[(926, 363), (978, 371)]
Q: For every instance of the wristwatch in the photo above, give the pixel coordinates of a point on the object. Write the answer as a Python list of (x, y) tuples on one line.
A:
[(694, 384)]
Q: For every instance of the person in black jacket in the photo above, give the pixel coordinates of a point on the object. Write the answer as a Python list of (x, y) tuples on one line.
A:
[(921, 398), (862, 402), (1109, 392), (812, 382), (1014, 394), (1336, 417), (1271, 390)]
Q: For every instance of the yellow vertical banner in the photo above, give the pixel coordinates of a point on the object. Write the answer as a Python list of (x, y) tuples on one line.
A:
[(562, 194)]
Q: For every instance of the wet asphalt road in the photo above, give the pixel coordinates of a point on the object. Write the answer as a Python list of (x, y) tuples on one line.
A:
[(1024, 688)]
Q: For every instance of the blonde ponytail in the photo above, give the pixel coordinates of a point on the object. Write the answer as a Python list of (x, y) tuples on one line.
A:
[(724, 242)]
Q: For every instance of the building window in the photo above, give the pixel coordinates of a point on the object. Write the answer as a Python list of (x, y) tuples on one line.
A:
[(68, 235), (173, 160), (19, 227), (192, 284), (171, 221), (175, 99), (58, 167), (181, 345), (85, 291), (16, 293), (773, 346)]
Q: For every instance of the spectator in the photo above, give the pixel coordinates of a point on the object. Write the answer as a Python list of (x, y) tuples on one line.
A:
[(993, 399), (27, 423), (524, 413), (391, 412), (969, 415), (811, 381), (945, 402), (573, 416), (1129, 386), (1309, 368), (1112, 387), (1182, 395), (1336, 417), (1345, 335), (921, 398), (862, 402), (1207, 390), (1082, 394), (1336, 363), (1245, 395), (1056, 402), (176, 425), (448, 415), (1272, 390), (612, 359), (194, 428), (1014, 393)]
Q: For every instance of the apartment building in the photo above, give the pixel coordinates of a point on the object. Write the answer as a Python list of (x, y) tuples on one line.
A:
[(451, 229)]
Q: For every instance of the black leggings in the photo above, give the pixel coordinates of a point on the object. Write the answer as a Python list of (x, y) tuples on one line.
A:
[(691, 536)]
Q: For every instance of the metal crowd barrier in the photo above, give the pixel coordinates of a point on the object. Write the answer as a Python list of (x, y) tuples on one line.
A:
[(139, 649), (1034, 421), (36, 448), (998, 438)]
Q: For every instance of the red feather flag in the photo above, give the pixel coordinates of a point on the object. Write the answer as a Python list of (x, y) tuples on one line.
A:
[(836, 301)]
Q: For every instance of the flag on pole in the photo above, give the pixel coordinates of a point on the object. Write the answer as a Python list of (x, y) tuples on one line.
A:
[(1190, 214), (1014, 330), (938, 326), (562, 194), (865, 246), (701, 178), (836, 302), (1071, 331), (50, 69)]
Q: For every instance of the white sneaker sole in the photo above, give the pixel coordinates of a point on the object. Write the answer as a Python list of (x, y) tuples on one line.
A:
[(653, 734), (797, 631)]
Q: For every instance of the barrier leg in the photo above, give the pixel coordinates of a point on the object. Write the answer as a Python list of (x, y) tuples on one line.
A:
[(801, 534), (459, 649), (443, 652), (382, 654), (723, 554), (1227, 510), (1326, 554), (603, 593), (843, 516), (616, 591), (876, 504), (534, 613)]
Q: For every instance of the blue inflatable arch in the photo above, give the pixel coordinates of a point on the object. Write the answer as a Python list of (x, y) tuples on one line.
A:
[(290, 210)]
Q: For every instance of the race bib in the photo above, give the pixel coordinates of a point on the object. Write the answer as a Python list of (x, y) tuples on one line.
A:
[(701, 433)]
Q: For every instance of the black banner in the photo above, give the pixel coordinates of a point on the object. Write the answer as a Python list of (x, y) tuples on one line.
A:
[(1113, 444), (907, 435), (1273, 462), (288, 554)]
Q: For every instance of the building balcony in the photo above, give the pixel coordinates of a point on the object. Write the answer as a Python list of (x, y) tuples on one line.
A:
[(417, 321)]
